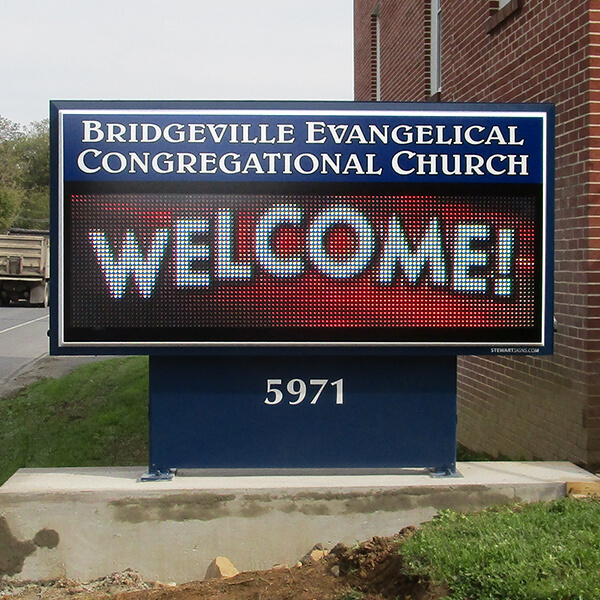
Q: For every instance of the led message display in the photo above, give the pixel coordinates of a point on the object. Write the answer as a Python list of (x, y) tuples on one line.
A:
[(340, 225)]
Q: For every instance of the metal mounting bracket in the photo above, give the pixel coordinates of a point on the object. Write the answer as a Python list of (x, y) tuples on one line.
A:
[(158, 476), (445, 472)]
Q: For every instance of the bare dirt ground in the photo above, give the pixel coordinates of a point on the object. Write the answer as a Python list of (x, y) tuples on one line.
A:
[(368, 571)]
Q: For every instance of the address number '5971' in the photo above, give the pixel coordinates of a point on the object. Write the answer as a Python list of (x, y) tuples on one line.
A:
[(295, 391)]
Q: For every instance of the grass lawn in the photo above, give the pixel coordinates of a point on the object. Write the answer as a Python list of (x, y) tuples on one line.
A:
[(95, 416), (541, 551)]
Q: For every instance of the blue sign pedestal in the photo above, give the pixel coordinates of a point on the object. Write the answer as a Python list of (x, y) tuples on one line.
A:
[(309, 412)]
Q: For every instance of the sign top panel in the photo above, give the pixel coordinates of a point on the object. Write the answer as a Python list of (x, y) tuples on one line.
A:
[(179, 226), (302, 142)]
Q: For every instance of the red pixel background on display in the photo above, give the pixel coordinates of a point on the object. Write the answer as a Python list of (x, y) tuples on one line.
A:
[(293, 267)]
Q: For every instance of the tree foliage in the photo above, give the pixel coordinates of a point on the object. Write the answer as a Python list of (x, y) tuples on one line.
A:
[(24, 175)]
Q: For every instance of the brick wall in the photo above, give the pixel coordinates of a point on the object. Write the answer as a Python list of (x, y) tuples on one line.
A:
[(402, 30), (524, 407)]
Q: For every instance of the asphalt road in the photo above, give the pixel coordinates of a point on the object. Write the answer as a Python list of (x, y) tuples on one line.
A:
[(23, 339), (24, 350)]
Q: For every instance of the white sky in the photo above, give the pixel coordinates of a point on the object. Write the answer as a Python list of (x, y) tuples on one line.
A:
[(172, 49)]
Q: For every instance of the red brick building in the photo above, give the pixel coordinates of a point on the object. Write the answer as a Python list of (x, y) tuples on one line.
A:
[(515, 51)]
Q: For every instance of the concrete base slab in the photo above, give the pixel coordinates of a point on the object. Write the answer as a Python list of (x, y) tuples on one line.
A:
[(85, 523)]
